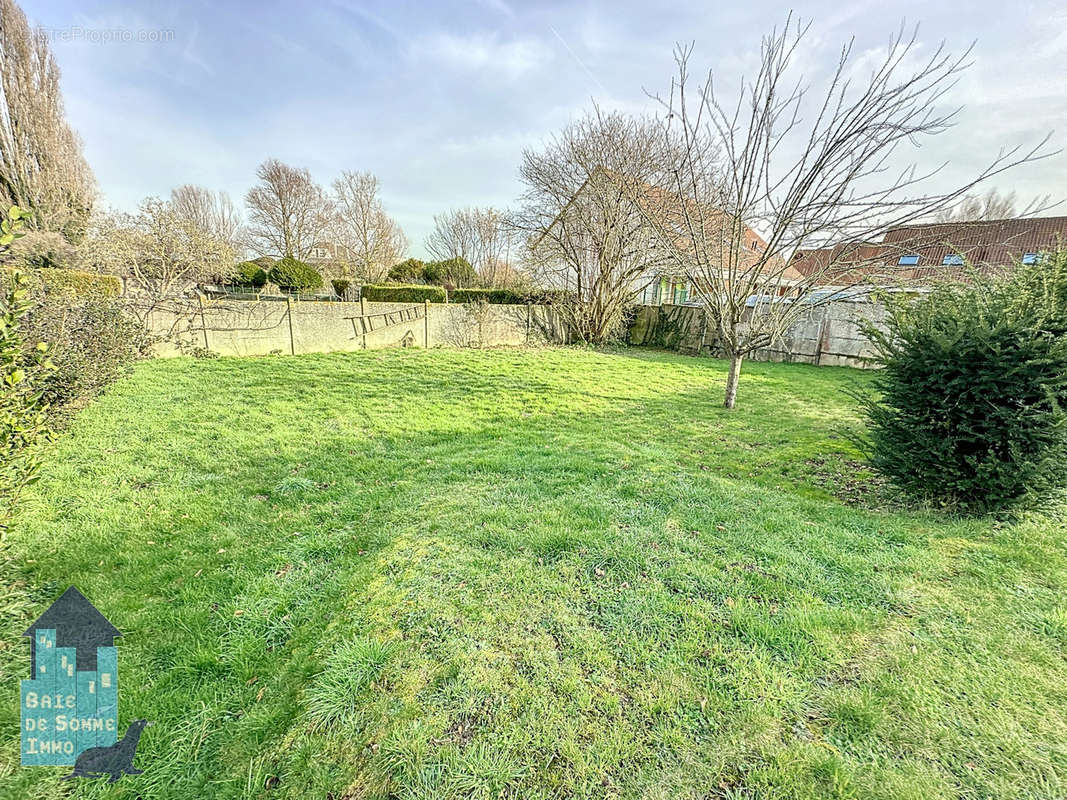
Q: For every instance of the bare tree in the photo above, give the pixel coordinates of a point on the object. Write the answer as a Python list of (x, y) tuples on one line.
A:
[(482, 236), (372, 240), (584, 232), (160, 253), (801, 168), (41, 165), (988, 206), (287, 212), (213, 212)]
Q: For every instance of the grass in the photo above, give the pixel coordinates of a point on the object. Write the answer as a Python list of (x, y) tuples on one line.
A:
[(533, 574)]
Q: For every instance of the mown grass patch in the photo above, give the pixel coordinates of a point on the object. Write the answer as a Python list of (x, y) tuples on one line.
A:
[(533, 574)]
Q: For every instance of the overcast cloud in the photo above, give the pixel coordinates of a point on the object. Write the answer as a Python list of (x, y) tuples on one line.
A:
[(438, 100)]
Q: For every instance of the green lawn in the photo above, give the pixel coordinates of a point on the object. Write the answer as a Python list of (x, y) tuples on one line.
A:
[(533, 574)]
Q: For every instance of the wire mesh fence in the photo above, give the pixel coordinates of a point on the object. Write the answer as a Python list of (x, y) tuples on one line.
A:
[(222, 292)]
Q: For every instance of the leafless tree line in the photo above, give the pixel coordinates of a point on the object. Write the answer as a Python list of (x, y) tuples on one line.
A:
[(290, 214), (487, 238), (211, 212), (373, 240)]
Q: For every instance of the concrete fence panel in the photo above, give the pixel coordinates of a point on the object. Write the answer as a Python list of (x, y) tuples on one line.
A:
[(827, 335), (261, 327)]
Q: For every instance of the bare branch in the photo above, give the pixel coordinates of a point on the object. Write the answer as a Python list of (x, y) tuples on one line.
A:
[(371, 240), (747, 186), (287, 212)]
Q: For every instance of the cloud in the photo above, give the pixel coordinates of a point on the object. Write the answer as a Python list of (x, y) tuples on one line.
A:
[(482, 51), (439, 99), (499, 6)]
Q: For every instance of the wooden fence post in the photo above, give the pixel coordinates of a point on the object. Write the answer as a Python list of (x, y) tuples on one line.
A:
[(823, 342), (528, 312), (363, 314), (203, 321), (426, 323), (289, 314)]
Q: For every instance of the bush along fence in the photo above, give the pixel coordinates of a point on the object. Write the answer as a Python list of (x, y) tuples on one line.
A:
[(83, 284), (403, 293), (830, 335), (412, 293), (203, 326)]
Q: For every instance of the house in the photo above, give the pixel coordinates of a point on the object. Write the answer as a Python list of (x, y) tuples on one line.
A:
[(659, 287), (651, 276), (927, 253)]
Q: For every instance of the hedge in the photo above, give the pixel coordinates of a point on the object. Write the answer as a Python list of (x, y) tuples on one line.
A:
[(410, 269), (537, 297), (399, 293), (249, 273), (494, 296), (453, 272), (84, 284), (295, 276)]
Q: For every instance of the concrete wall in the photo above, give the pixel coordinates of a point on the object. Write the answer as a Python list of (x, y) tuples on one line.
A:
[(249, 327), (826, 335)]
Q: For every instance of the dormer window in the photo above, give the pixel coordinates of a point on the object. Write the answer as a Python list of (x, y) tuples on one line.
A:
[(952, 260), (1029, 258), (908, 261)]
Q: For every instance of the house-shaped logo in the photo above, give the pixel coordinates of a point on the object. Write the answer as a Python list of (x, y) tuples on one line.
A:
[(71, 702)]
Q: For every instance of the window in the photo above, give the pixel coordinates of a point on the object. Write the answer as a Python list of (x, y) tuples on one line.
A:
[(908, 261), (1029, 258), (681, 293), (952, 260)]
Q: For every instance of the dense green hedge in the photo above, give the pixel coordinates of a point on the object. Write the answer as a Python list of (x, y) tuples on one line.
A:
[(408, 270), (399, 293), (494, 296), (294, 276), (451, 272), (83, 284), (537, 297), (548, 297), (249, 273)]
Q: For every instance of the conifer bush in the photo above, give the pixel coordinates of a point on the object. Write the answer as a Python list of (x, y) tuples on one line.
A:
[(249, 273), (452, 272), (294, 276), (969, 408), (408, 271)]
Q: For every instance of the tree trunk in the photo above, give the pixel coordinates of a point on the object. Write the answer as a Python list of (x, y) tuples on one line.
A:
[(732, 379)]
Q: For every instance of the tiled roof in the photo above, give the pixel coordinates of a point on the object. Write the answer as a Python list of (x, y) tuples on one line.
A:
[(714, 220), (988, 245)]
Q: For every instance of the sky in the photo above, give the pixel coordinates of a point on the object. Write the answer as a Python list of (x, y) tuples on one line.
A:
[(440, 99)]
